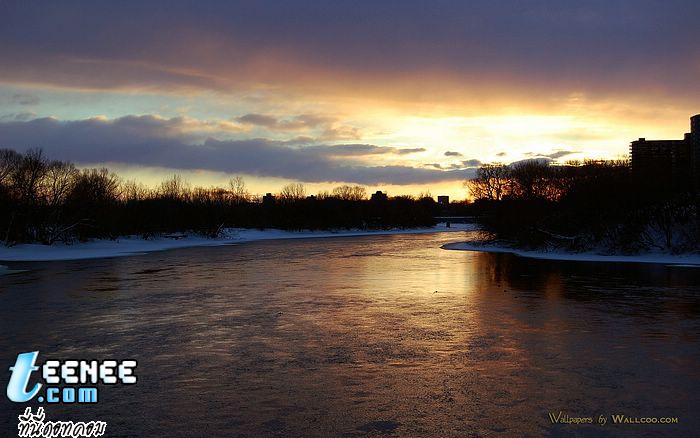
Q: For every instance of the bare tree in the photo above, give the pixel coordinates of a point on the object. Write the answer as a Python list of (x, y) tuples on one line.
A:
[(174, 188), (492, 182), (27, 178), (350, 193), (323, 195), (425, 196), (532, 179), (239, 192), (293, 192), (9, 162), (667, 220), (96, 186), (134, 191), (58, 182), (56, 186)]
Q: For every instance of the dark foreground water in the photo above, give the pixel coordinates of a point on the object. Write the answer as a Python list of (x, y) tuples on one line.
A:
[(363, 336)]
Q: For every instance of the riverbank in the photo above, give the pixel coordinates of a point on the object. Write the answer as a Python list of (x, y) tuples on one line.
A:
[(133, 245), (690, 260)]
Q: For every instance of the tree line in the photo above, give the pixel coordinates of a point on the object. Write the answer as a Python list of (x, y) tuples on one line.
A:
[(50, 201), (583, 205)]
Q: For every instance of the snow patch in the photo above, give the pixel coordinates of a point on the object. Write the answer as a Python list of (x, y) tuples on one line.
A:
[(133, 245), (679, 260), (4, 270)]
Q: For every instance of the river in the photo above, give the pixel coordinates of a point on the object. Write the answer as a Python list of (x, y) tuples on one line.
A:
[(363, 336)]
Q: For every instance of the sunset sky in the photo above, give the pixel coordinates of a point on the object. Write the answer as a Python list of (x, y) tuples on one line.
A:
[(403, 96)]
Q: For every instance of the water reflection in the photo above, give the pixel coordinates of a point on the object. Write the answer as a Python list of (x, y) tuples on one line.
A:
[(363, 336)]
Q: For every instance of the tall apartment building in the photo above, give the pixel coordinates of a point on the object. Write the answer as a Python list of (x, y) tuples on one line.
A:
[(673, 163)]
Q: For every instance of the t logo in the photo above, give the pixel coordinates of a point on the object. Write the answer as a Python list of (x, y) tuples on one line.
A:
[(24, 366)]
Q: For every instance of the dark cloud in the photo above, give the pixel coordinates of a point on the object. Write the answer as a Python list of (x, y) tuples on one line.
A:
[(593, 46), (349, 150), (542, 160), (259, 120), (330, 129), (472, 163), (559, 154), (152, 141), (452, 154), (304, 121), (406, 151), (17, 117), (25, 99), (552, 156), (501, 154), (466, 164), (340, 133)]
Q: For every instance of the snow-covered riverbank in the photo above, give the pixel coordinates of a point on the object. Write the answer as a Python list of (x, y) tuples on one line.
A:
[(132, 245), (659, 258)]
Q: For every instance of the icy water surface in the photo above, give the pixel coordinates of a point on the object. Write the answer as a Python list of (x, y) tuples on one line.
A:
[(363, 336)]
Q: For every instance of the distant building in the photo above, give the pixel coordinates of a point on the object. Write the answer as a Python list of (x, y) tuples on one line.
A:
[(693, 137), (444, 200), (671, 162), (269, 198), (379, 196)]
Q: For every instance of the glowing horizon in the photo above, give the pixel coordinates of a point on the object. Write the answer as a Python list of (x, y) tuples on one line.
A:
[(401, 98)]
